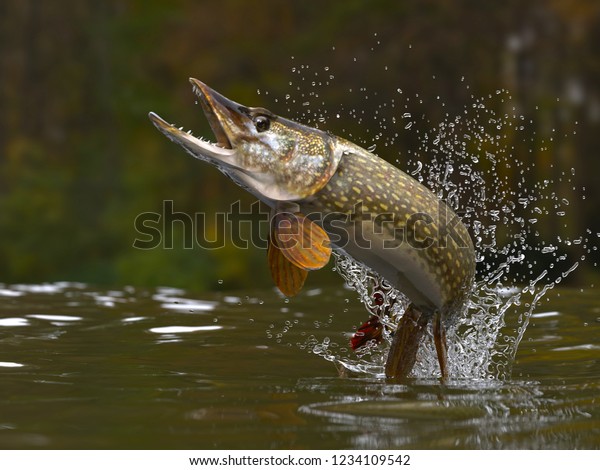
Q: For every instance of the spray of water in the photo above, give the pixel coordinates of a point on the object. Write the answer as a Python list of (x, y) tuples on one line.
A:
[(479, 161)]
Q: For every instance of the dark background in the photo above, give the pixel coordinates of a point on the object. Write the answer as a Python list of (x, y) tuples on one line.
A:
[(79, 159)]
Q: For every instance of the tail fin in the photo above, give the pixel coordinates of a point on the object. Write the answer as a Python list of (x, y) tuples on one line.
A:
[(439, 338), (406, 342), (407, 339)]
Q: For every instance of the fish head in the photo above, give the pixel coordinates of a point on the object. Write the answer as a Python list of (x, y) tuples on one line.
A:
[(274, 158)]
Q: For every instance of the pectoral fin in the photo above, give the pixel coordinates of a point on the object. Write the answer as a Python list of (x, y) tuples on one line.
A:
[(301, 240), (406, 342), (288, 277)]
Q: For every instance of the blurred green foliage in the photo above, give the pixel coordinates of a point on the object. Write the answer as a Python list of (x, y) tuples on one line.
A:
[(79, 159)]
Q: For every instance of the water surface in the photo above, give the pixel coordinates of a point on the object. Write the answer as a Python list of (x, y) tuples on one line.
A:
[(167, 369)]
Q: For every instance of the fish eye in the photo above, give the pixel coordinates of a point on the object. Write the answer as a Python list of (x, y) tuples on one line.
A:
[(262, 123)]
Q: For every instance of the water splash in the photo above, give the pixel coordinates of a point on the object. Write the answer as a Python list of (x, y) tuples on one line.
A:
[(479, 161)]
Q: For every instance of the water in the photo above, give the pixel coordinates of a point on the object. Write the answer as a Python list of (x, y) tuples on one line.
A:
[(83, 367), (164, 368)]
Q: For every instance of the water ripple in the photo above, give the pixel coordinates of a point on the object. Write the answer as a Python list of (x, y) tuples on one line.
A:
[(59, 318), (182, 303), (10, 293), (183, 329), (11, 364), (16, 321)]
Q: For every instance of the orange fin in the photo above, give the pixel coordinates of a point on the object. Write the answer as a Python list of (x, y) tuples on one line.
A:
[(301, 240), (288, 277), (406, 342)]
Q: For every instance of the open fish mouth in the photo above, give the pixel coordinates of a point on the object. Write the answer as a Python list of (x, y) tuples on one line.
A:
[(217, 109), (233, 126), (207, 100)]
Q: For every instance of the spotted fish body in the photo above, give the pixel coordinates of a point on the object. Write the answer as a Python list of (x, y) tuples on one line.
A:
[(408, 235), (324, 190)]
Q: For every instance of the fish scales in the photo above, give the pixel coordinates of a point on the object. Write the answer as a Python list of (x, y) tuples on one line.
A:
[(407, 217)]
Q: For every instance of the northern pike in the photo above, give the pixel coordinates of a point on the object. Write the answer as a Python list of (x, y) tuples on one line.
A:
[(324, 190)]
